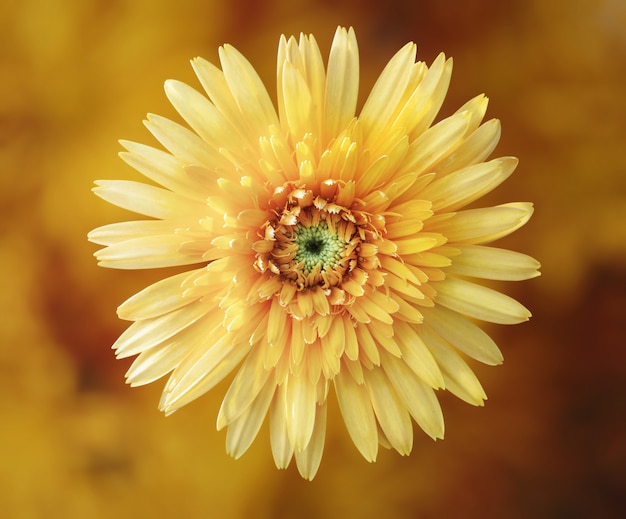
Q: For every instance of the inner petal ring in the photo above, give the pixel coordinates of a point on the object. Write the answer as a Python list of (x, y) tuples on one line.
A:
[(319, 249)]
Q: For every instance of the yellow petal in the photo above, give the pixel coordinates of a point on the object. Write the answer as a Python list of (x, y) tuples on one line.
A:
[(300, 403), (418, 397), (158, 361), (200, 371), (298, 102), (358, 415), (391, 412), (367, 344), (435, 143), (244, 388), (422, 242), (493, 263), (474, 148), (342, 81), (146, 333), (474, 226), (248, 90), (159, 298), (351, 340), (282, 449), (387, 92), (181, 142), (204, 118), (162, 168), (479, 302), (463, 335), (426, 100), (459, 379), (145, 199), (468, 184), (308, 460), (417, 356), (244, 429), (115, 233)]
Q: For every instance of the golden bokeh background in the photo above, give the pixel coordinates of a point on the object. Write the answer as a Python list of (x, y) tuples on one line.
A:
[(76, 442)]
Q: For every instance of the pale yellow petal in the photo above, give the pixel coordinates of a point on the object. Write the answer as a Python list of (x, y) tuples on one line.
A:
[(479, 302), (428, 259), (435, 143), (458, 189), (282, 449), (493, 263), (418, 397), (300, 403), (201, 370), (278, 325), (421, 110), (146, 333), (287, 53), (390, 411), (420, 243), (148, 200), (358, 415), (244, 429), (477, 107), (163, 168), (156, 362), (367, 345), (244, 388), (387, 93), (383, 334), (373, 176), (460, 380), (417, 356), (483, 225), (218, 90), (315, 77), (367, 304), (114, 233), (204, 118), (463, 335), (159, 298), (308, 460), (248, 90), (407, 311), (474, 148), (298, 103), (342, 82), (351, 340), (182, 142), (404, 228), (297, 345), (147, 253), (402, 287), (398, 268)]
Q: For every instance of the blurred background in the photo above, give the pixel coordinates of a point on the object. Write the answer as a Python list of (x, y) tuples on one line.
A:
[(76, 442)]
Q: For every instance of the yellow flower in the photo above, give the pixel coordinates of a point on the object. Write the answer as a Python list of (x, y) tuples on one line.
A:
[(332, 252)]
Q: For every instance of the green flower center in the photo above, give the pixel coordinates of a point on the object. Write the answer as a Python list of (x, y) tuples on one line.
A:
[(317, 245)]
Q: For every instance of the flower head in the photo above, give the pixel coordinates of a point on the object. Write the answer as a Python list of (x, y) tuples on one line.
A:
[(332, 252)]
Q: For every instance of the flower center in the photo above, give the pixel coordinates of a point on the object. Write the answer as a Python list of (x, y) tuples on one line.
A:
[(313, 248), (317, 246), (317, 255)]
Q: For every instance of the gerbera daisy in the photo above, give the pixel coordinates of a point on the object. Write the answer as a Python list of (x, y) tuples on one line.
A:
[(332, 253)]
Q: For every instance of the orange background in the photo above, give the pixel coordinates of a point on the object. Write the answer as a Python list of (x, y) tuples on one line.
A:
[(76, 442)]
